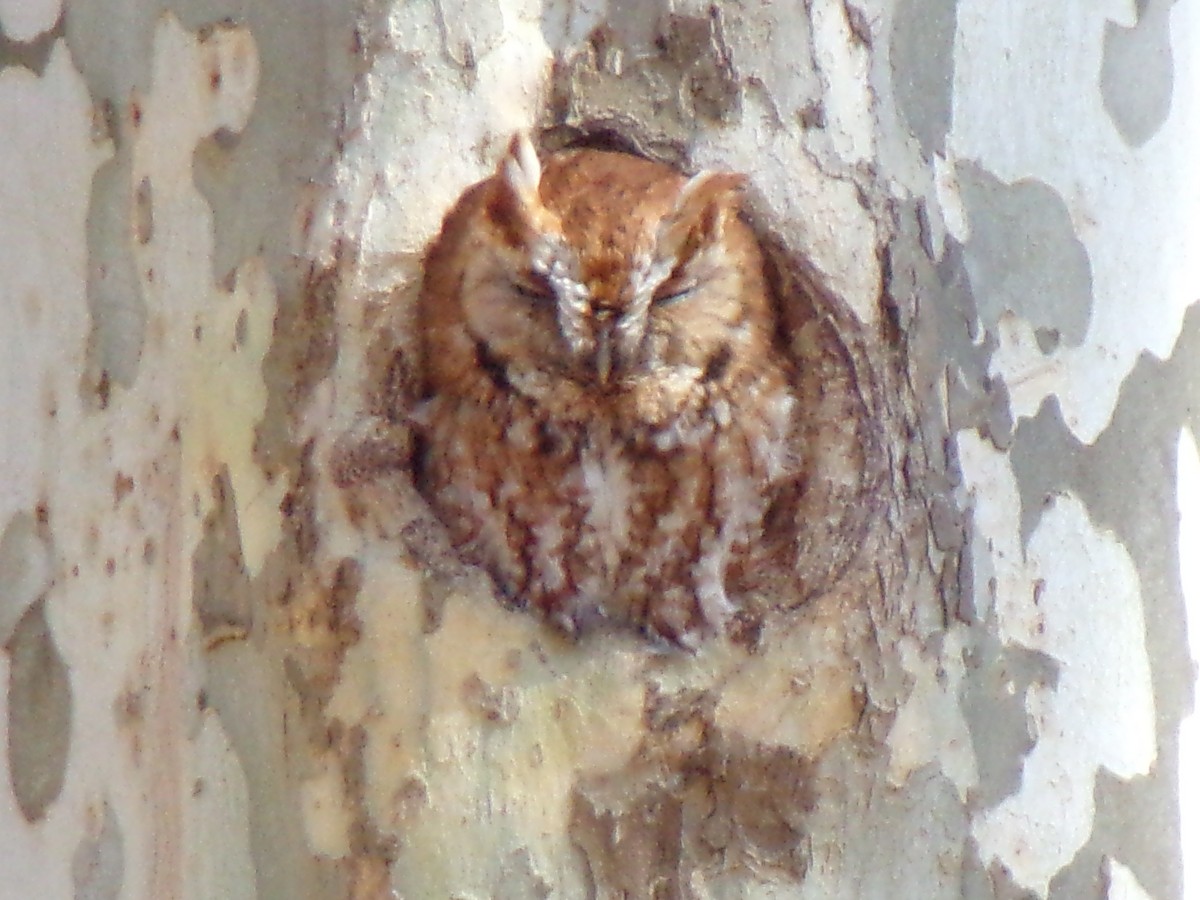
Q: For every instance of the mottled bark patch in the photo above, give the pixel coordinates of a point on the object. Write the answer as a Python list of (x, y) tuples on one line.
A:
[(39, 714)]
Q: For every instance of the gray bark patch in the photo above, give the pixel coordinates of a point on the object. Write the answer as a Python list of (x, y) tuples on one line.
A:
[(98, 866), (24, 570), (994, 703), (116, 304), (1137, 74), (39, 714), (1023, 255), (222, 601), (922, 56)]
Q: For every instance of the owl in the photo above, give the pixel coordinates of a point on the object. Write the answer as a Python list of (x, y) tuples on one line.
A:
[(608, 418)]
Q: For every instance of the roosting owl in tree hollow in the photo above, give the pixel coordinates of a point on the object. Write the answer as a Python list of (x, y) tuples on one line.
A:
[(609, 423)]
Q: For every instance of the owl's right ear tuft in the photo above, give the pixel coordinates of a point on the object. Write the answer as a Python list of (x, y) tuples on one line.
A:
[(515, 206), (704, 206)]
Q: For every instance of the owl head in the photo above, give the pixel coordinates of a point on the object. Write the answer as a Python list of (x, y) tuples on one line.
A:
[(596, 269)]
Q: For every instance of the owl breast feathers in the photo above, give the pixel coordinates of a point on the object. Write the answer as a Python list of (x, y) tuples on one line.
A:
[(608, 416)]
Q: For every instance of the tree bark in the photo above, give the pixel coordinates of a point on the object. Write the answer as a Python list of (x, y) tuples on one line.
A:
[(239, 659)]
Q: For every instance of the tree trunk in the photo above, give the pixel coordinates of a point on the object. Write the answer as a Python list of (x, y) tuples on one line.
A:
[(240, 659)]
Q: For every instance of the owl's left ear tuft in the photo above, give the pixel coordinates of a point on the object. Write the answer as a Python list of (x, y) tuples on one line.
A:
[(705, 204), (521, 168), (514, 206)]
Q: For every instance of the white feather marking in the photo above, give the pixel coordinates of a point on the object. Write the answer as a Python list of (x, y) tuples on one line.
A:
[(423, 415), (780, 411), (491, 537), (722, 412), (552, 260), (609, 491), (709, 575), (594, 584), (673, 524), (547, 553), (519, 433), (644, 279), (532, 383), (770, 446)]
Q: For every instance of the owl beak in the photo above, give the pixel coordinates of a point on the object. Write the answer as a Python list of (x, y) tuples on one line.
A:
[(604, 352)]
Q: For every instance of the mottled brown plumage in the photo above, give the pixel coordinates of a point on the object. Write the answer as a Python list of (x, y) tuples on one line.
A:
[(608, 417)]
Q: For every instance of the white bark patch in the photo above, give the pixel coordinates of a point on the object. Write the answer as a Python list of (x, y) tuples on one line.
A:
[(1189, 729), (24, 20), (403, 180), (1042, 374), (1135, 209), (798, 693), (843, 65), (579, 716), (1123, 884), (327, 817), (228, 399), (225, 393), (813, 212), (930, 726), (1101, 710)]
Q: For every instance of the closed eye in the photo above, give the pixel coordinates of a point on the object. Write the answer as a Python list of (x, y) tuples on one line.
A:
[(672, 293), (533, 291)]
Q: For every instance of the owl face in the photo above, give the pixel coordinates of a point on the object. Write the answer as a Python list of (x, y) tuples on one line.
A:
[(607, 270)]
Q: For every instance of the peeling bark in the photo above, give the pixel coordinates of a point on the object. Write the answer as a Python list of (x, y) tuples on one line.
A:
[(239, 655)]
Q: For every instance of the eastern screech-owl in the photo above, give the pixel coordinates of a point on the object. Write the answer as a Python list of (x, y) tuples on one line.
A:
[(608, 415)]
